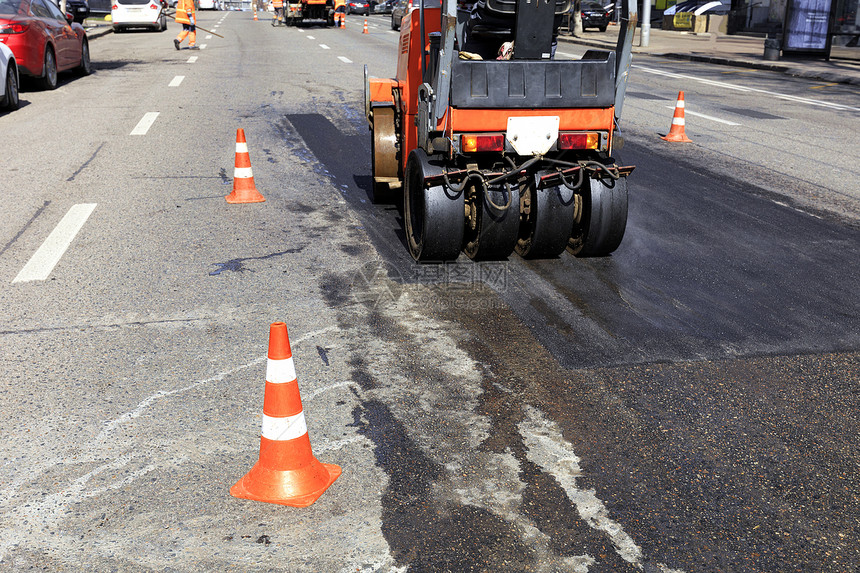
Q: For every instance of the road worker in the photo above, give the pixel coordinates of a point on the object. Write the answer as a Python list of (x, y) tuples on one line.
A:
[(279, 9), (185, 15)]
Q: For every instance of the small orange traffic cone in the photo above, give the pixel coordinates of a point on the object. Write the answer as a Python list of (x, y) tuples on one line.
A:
[(365, 27), (255, 13), (343, 21), (287, 472), (244, 190), (677, 133)]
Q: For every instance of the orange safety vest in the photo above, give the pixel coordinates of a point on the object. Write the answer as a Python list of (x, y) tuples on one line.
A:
[(184, 9)]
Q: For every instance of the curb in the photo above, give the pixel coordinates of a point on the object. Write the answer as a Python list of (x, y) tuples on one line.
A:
[(723, 61), (98, 32)]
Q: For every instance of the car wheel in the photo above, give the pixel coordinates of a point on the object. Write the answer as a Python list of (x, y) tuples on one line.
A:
[(85, 68), (10, 100), (602, 28), (48, 81), (394, 24)]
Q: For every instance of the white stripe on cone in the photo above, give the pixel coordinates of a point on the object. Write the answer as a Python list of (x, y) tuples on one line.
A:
[(280, 371), (242, 173), (283, 429), (241, 147)]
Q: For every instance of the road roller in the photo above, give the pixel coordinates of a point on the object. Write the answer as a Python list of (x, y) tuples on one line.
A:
[(495, 145)]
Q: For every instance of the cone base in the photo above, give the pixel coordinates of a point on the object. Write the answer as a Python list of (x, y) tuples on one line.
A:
[(246, 197), (295, 488), (677, 138)]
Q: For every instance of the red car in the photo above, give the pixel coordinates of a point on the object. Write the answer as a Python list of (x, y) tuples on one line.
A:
[(44, 40)]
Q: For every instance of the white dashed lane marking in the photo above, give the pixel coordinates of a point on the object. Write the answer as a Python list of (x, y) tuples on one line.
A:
[(324, 47), (735, 87), (192, 59), (703, 116), (344, 59), (175, 81), (48, 255), (145, 123)]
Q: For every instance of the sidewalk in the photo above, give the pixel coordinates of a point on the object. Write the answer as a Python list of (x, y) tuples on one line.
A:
[(740, 51)]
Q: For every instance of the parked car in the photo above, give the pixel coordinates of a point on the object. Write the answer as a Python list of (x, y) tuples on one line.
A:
[(9, 73), (383, 7), (593, 16), (127, 14), (44, 40), (80, 9), (400, 9), (358, 7)]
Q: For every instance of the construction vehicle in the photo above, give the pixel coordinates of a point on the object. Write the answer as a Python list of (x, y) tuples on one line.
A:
[(490, 155), (297, 12)]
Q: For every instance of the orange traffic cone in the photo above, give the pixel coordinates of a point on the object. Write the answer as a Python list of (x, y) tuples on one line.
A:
[(287, 472), (244, 190), (255, 13), (365, 27), (676, 133)]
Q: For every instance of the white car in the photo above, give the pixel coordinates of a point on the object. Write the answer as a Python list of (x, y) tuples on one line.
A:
[(138, 14), (9, 73)]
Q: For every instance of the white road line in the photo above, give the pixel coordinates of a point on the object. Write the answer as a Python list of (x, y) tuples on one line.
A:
[(324, 47), (547, 448), (175, 81), (344, 59), (703, 116), (208, 37), (311, 38), (203, 46), (192, 59), (145, 123), (725, 85), (48, 255)]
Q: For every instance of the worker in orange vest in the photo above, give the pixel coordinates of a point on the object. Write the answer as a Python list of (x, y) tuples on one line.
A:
[(279, 9), (185, 15)]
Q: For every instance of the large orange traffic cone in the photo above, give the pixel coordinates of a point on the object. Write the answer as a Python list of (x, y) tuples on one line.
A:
[(677, 133), (287, 472), (244, 190), (365, 27)]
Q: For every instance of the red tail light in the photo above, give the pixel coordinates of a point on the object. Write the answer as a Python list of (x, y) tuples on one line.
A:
[(153, 5), (579, 140), (114, 7), (472, 142), (13, 28)]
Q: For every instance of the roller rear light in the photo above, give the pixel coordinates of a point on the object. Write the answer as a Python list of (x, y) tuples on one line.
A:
[(589, 140), (474, 142)]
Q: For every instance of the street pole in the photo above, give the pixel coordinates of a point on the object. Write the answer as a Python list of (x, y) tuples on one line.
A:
[(645, 32)]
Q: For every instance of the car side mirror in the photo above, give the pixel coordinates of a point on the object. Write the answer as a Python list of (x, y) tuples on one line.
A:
[(70, 18)]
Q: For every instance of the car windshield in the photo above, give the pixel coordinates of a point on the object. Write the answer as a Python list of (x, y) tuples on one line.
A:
[(592, 6), (131, 2), (10, 7)]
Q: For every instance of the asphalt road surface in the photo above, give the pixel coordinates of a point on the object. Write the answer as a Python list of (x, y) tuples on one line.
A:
[(688, 404)]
